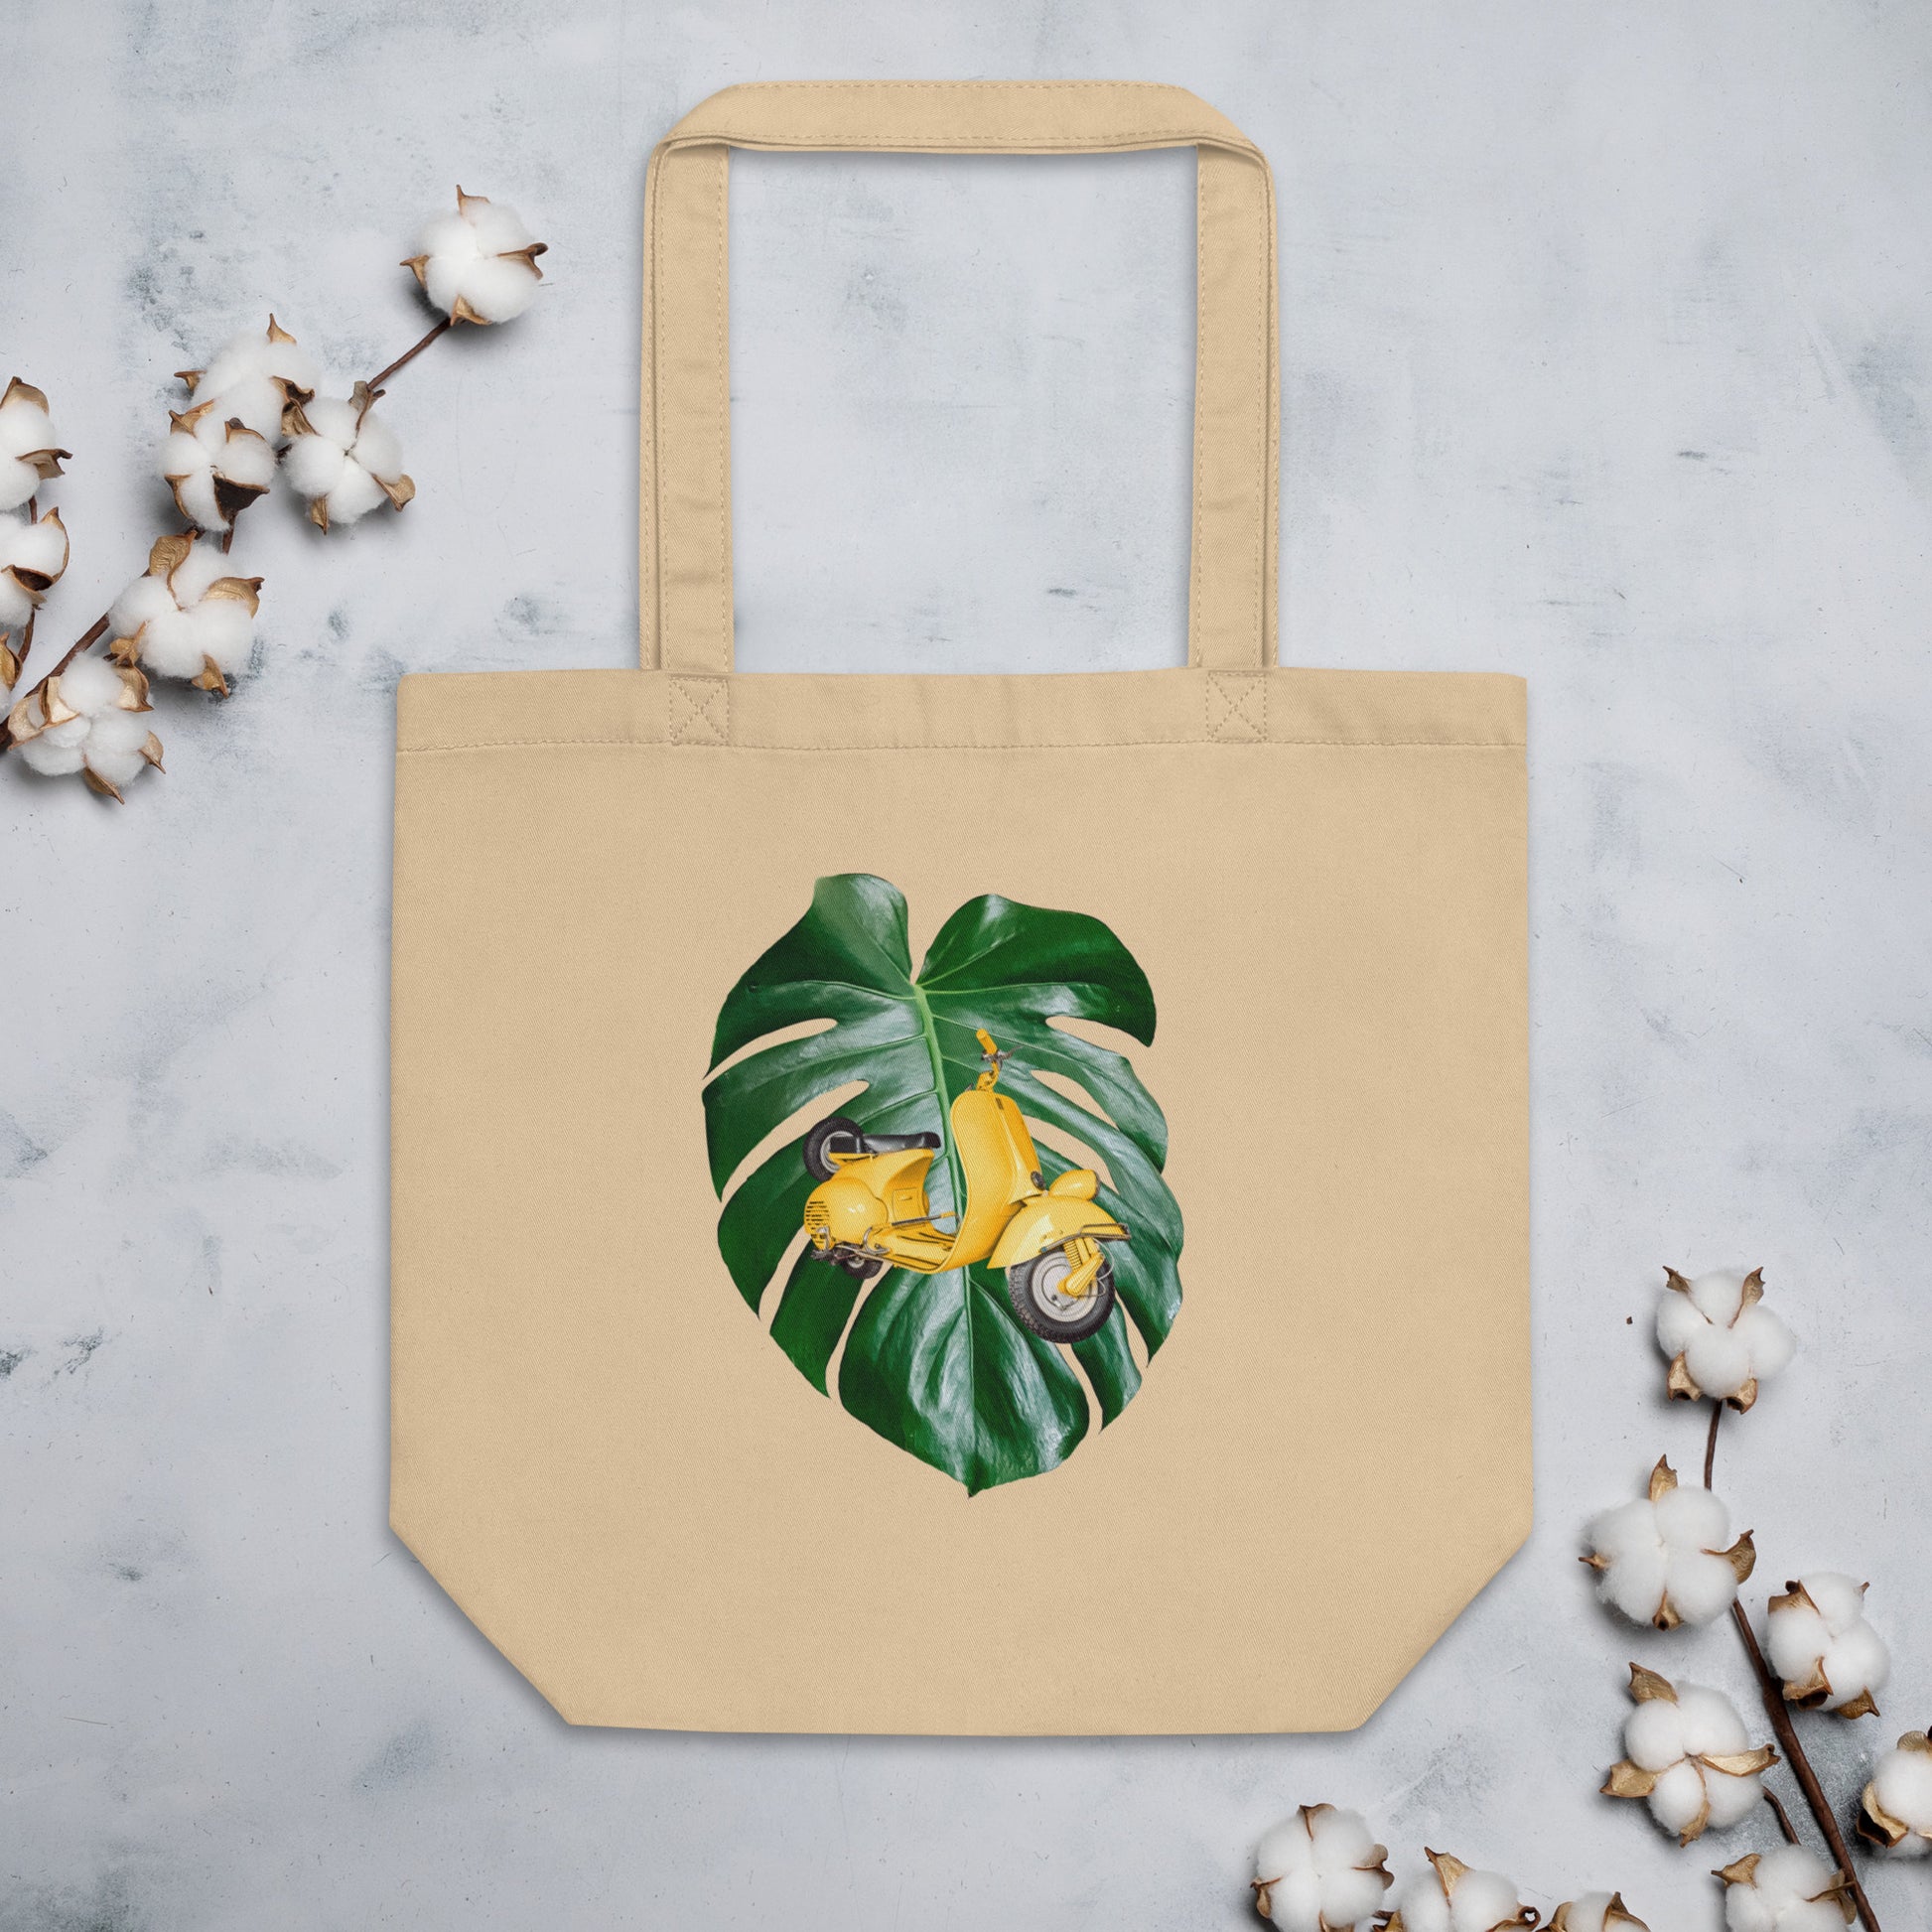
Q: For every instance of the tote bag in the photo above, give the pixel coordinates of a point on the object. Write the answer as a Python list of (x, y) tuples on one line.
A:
[(960, 1204)]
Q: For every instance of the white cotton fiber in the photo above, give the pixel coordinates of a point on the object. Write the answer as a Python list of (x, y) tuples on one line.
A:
[(477, 257), (25, 431), (1827, 1638), (1724, 1345), (1588, 1913), (1719, 1360), (345, 461), (1482, 1900), (1320, 1867), (314, 463), (90, 684), (105, 739), (178, 628), (196, 458), (1786, 1890), (1902, 1785), (1691, 1519), (1653, 1554), (1712, 1725), (252, 377), (1424, 1907), (1702, 1587)]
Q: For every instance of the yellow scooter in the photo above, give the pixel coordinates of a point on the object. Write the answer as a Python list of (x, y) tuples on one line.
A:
[(870, 1209)]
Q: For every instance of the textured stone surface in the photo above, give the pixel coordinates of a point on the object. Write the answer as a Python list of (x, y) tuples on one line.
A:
[(1605, 359)]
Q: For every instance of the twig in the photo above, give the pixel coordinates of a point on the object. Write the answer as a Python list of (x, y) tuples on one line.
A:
[(410, 354), (1772, 1799), (1771, 1692)]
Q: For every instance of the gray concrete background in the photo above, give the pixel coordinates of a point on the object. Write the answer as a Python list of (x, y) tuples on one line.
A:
[(1606, 360)]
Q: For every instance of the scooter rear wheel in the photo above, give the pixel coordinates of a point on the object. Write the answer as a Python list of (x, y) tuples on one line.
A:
[(835, 1131), (1031, 1288)]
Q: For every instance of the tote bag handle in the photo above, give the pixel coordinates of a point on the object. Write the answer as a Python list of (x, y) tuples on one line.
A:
[(685, 557)]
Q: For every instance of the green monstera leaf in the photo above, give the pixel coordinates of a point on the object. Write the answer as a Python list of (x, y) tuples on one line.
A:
[(938, 1363)]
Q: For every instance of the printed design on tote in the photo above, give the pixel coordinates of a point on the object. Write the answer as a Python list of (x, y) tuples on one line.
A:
[(978, 1258)]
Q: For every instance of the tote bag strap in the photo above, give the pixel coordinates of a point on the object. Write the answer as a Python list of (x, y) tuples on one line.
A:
[(685, 556)]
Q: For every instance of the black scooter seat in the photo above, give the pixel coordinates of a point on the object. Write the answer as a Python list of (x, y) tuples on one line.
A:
[(896, 1142)]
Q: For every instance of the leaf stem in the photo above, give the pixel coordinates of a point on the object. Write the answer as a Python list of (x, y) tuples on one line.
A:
[(1771, 1692), (410, 354)]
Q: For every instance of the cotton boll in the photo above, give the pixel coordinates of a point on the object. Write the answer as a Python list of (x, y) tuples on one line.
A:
[(479, 264), (1454, 1898), (89, 718), (33, 557), (185, 618), (1596, 1911), (345, 460), (255, 377), (1319, 1870), (1786, 1890), (1821, 1645), (1688, 1755), (216, 467), (1895, 1811), (29, 447), (1662, 1560), (1904, 1781), (1721, 1341)]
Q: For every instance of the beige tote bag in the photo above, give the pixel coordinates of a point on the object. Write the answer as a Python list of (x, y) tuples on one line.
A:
[(960, 1204)]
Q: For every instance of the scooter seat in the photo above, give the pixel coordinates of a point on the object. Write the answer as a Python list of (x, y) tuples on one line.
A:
[(897, 1143)]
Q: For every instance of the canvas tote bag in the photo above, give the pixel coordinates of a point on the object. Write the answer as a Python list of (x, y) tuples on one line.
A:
[(960, 1204)]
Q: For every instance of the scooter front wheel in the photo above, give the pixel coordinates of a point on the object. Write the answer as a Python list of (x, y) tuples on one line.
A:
[(1032, 1287)]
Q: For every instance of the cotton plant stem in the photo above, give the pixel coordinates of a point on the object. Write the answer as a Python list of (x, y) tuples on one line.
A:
[(410, 354), (1771, 1798), (1771, 1692)]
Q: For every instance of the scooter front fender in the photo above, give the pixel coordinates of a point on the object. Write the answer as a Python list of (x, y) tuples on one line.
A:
[(1045, 1222)]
